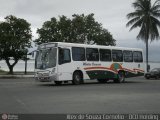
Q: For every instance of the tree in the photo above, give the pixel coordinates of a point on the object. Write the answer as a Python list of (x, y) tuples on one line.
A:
[(79, 29), (145, 17), (104, 38), (15, 38), (54, 30)]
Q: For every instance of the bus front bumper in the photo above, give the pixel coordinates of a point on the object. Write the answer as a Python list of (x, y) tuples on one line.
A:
[(50, 78)]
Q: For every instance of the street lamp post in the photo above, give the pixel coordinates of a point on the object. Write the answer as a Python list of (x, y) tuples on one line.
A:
[(26, 65), (26, 58)]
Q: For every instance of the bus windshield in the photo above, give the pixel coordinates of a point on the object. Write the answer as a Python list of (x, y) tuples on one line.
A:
[(46, 58)]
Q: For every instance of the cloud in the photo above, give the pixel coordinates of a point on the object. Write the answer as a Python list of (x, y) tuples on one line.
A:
[(112, 15)]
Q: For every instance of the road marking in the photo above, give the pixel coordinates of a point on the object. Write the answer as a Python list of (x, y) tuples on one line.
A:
[(21, 102)]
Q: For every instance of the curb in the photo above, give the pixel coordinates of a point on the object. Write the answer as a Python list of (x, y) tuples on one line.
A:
[(16, 76)]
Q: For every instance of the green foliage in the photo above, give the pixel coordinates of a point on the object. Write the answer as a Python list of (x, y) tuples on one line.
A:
[(15, 38), (79, 29), (145, 17), (2, 71)]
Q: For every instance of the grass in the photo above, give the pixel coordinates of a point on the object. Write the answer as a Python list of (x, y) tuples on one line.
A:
[(3, 72)]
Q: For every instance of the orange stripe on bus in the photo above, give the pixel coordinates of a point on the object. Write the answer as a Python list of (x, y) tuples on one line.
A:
[(105, 68), (89, 68)]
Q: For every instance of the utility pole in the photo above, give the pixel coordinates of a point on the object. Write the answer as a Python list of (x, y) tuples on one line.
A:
[(26, 64)]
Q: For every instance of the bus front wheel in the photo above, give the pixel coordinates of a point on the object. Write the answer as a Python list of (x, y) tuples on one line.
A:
[(77, 78), (121, 77)]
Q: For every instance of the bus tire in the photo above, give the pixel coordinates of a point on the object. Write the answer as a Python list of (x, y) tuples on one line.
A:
[(77, 78), (121, 77), (58, 82), (147, 77), (156, 77)]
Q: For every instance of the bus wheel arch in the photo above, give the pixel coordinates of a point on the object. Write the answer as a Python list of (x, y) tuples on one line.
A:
[(77, 77)]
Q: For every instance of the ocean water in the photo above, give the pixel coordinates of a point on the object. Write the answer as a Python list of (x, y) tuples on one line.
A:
[(20, 66)]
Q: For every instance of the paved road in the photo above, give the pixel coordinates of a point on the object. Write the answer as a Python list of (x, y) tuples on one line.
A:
[(136, 95)]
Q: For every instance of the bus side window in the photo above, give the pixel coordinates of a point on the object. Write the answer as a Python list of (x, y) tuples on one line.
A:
[(105, 55), (127, 56), (64, 56), (117, 55), (137, 56), (92, 54), (78, 54)]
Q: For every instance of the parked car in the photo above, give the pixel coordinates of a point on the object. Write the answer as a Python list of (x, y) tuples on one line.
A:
[(154, 73)]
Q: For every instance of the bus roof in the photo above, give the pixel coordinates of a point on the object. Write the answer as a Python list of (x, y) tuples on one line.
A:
[(62, 44)]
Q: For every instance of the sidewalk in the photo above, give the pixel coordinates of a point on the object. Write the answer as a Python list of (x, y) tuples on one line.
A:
[(17, 75)]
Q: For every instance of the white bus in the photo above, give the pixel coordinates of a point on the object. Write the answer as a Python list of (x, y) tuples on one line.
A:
[(61, 62)]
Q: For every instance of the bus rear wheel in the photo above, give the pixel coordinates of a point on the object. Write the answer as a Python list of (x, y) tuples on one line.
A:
[(121, 77), (77, 78)]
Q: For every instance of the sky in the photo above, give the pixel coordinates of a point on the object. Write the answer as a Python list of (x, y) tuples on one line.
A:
[(110, 13)]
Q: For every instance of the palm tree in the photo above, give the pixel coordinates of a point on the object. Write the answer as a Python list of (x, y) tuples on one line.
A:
[(145, 17)]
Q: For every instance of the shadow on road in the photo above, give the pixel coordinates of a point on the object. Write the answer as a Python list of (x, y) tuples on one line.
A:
[(89, 83)]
